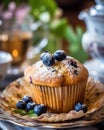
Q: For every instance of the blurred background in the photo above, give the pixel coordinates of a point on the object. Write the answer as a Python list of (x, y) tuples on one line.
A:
[(55, 20), (29, 27)]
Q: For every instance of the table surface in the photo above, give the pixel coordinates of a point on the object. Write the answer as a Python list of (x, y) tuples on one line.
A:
[(11, 78)]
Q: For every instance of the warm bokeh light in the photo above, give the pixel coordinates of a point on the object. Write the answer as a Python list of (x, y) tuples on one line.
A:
[(4, 37), (15, 53)]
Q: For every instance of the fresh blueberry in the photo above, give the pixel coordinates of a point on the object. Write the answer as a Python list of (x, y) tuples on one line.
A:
[(43, 54), (30, 106), (21, 104), (27, 99), (78, 107), (40, 109), (60, 55), (84, 108), (47, 59)]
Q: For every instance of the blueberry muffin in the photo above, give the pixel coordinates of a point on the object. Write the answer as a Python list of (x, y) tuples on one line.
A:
[(58, 81)]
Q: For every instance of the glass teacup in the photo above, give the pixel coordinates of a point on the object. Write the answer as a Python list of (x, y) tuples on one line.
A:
[(5, 63), (16, 40)]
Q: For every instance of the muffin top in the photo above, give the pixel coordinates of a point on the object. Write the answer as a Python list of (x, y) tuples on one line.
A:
[(62, 71)]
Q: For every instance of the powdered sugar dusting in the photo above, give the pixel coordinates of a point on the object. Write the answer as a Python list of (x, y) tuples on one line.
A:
[(57, 70), (43, 71), (73, 69)]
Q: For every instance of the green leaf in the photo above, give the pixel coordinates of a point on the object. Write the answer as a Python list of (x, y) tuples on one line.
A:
[(23, 112), (80, 55), (31, 112), (20, 111), (39, 6), (79, 32), (58, 27), (74, 47), (71, 35)]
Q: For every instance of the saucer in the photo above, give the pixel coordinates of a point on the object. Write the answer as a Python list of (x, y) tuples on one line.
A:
[(94, 99)]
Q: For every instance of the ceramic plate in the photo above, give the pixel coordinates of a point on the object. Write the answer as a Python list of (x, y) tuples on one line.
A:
[(94, 99)]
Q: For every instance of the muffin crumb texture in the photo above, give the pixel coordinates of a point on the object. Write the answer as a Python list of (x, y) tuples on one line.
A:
[(58, 81), (66, 72)]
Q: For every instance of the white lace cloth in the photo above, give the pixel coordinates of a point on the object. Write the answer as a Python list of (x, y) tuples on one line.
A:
[(9, 126)]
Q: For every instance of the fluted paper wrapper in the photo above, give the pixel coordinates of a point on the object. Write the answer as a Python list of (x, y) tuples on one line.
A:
[(59, 99), (94, 99)]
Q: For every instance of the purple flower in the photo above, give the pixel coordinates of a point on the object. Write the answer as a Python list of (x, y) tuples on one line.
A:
[(7, 15), (13, 12), (12, 6), (21, 13)]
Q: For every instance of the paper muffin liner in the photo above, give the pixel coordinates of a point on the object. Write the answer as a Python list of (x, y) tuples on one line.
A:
[(59, 99), (94, 99)]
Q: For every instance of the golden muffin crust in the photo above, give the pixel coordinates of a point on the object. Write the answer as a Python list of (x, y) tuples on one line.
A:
[(62, 73)]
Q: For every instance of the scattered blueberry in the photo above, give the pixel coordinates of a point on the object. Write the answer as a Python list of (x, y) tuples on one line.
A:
[(84, 108), (27, 106), (40, 109), (80, 106), (21, 104), (60, 55), (27, 99), (47, 59), (30, 106)]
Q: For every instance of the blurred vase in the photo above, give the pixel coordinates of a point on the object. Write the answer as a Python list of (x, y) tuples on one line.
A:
[(5, 62), (93, 39)]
